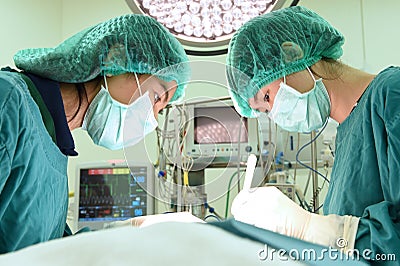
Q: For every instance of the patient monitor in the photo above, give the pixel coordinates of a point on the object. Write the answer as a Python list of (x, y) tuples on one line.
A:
[(216, 131), (107, 191)]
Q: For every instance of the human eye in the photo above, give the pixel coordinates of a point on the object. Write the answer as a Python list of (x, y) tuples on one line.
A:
[(162, 93), (156, 97), (266, 97)]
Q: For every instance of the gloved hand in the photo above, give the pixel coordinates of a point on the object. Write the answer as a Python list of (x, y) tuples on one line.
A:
[(269, 208), (142, 221)]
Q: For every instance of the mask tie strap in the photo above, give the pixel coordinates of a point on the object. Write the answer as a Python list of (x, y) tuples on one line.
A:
[(138, 84), (309, 71), (105, 82)]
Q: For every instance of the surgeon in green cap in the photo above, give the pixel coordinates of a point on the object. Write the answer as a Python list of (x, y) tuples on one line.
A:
[(91, 80), (286, 63)]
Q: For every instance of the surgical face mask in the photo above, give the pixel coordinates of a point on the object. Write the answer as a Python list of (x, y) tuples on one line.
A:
[(105, 120), (301, 112)]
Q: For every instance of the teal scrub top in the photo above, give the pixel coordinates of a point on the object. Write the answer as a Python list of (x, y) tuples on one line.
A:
[(365, 180), (33, 171)]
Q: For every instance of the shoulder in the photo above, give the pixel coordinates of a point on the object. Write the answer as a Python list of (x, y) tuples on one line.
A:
[(12, 87), (388, 80), (386, 92)]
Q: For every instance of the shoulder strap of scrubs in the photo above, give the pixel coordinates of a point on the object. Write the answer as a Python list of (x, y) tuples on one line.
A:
[(46, 116)]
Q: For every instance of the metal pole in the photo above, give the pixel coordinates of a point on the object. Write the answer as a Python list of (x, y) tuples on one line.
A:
[(179, 199), (314, 165)]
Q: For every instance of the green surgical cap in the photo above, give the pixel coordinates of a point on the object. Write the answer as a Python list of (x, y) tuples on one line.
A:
[(275, 45), (125, 44)]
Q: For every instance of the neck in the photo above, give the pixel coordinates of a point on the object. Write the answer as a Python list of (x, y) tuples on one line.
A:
[(75, 109), (345, 91)]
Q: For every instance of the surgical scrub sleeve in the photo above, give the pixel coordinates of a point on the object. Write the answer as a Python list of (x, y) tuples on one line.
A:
[(365, 178), (33, 180)]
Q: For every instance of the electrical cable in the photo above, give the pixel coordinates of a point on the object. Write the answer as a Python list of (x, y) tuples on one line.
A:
[(228, 192), (271, 151), (300, 200), (319, 207), (212, 216), (239, 159), (330, 148), (212, 211), (260, 145), (271, 159), (310, 168), (320, 189), (307, 183), (296, 165), (305, 145), (168, 146)]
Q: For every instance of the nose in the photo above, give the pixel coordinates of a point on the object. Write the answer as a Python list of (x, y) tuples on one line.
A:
[(156, 110), (259, 106)]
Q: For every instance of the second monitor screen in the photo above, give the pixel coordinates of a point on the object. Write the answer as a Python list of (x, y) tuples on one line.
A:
[(218, 125)]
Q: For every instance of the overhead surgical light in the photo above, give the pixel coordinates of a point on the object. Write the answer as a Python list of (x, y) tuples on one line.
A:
[(204, 27)]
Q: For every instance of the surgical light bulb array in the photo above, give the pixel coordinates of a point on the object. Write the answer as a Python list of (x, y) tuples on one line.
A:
[(206, 19)]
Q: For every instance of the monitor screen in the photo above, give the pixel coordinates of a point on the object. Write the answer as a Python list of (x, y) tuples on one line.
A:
[(110, 194), (218, 125)]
